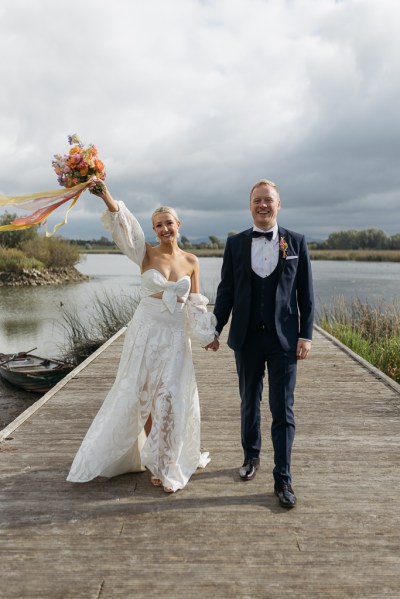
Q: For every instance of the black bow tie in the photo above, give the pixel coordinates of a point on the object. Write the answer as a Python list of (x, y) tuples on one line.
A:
[(267, 235)]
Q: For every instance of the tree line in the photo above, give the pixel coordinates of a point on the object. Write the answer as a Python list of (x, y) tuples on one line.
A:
[(375, 239), (354, 239)]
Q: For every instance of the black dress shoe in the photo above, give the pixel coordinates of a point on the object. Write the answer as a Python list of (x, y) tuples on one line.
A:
[(285, 494), (249, 468)]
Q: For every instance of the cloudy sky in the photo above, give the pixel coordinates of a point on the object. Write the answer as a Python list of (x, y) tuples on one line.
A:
[(190, 101)]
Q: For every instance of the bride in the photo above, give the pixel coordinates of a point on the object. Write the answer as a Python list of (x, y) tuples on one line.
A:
[(151, 415)]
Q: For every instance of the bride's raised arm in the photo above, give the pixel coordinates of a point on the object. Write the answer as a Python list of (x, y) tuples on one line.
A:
[(124, 227)]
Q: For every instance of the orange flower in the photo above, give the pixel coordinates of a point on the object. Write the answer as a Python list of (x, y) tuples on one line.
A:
[(75, 149), (92, 151), (99, 165)]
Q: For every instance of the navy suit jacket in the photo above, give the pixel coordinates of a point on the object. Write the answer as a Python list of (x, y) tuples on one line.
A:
[(294, 302)]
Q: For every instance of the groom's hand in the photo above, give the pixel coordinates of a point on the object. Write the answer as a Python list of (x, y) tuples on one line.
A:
[(303, 349), (214, 345)]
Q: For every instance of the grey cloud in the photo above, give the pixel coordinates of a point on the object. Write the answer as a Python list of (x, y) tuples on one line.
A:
[(189, 106)]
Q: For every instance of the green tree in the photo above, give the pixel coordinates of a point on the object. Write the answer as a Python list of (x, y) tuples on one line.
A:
[(14, 239), (104, 241), (373, 238), (395, 242), (185, 242), (358, 240), (215, 242), (342, 240)]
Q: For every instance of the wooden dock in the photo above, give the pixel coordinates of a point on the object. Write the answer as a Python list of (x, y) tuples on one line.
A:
[(219, 538)]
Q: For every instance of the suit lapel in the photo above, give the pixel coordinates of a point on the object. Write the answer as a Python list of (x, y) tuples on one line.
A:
[(282, 233), (247, 250)]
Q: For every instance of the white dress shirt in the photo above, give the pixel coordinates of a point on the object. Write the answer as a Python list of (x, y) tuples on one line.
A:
[(265, 253)]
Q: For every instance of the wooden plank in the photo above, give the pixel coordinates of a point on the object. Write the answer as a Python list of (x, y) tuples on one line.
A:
[(219, 537), (43, 400)]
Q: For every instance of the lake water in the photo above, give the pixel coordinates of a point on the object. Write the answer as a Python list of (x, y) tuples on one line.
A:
[(31, 317)]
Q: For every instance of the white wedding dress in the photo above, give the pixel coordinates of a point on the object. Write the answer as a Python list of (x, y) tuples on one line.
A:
[(155, 376)]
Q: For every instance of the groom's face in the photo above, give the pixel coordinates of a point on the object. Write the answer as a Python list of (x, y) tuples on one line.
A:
[(264, 206)]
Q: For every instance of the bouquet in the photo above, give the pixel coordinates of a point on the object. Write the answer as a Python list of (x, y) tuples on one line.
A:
[(79, 165), (74, 172)]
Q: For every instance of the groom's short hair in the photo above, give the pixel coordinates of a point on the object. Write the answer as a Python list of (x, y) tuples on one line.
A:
[(264, 182)]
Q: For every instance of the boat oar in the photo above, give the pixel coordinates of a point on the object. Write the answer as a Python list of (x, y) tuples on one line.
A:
[(21, 354)]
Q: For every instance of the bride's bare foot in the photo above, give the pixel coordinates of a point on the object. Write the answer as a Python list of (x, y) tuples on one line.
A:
[(168, 490), (156, 482)]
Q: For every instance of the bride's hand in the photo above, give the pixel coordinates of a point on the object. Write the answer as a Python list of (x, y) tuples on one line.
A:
[(97, 187)]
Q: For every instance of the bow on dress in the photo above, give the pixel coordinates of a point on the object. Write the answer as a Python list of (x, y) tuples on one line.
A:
[(173, 290)]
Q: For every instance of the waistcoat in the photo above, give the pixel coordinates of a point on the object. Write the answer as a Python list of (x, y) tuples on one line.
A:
[(263, 293)]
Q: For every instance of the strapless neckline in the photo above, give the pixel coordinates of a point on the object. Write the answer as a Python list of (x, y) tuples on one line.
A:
[(164, 277)]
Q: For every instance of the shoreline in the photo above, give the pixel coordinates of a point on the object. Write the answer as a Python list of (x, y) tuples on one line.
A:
[(334, 255), (49, 276)]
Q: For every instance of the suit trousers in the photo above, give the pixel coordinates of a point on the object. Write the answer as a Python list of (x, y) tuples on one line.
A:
[(262, 348)]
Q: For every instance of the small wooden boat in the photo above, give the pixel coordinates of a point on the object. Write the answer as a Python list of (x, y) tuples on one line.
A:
[(31, 372)]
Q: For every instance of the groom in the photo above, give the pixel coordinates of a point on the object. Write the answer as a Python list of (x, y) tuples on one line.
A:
[(266, 283)]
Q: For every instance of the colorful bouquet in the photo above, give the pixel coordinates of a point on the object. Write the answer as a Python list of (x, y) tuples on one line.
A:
[(74, 171), (79, 165)]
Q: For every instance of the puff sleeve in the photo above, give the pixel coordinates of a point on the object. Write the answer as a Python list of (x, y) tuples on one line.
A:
[(201, 322), (126, 232)]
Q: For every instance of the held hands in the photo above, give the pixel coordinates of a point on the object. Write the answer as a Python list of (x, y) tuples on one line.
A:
[(214, 345), (303, 349)]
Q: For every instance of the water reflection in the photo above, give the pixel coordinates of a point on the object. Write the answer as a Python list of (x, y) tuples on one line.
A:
[(21, 327)]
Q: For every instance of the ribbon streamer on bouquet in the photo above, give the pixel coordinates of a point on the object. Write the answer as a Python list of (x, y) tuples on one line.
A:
[(42, 204)]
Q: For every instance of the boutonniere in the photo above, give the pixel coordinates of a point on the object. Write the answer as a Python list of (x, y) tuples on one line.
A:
[(283, 247)]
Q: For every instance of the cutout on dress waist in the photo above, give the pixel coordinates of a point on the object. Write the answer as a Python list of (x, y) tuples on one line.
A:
[(164, 277)]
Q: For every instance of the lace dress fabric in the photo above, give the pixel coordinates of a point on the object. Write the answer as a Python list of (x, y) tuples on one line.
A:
[(155, 376)]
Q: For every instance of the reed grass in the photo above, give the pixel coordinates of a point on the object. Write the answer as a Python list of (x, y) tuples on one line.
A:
[(371, 331), (110, 312), (356, 255)]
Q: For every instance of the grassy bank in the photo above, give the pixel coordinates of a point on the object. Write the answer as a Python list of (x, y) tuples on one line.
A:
[(38, 253), (357, 255), (373, 332)]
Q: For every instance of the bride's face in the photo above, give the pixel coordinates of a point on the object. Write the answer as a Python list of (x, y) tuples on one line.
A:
[(166, 227)]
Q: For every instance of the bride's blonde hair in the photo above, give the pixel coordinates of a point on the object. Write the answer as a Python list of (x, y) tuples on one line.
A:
[(162, 209)]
